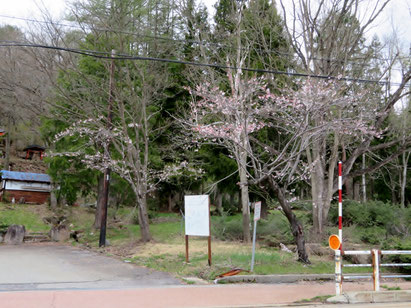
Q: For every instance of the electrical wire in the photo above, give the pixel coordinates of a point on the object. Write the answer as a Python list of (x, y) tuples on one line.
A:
[(202, 43), (107, 55)]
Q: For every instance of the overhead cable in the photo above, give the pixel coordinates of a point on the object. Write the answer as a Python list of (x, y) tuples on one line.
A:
[(107, 55)]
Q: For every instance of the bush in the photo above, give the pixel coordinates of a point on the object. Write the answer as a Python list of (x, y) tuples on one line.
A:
[(401, 224), (369, 214), (398, 244), (373, 235), (227, 227), (274, 229)]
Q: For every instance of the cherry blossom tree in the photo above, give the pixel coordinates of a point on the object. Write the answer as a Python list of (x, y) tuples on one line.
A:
[(299, 118), (231, 120), (124, 149)]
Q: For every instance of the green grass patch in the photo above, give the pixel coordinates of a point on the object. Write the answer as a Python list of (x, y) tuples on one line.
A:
[(390, 288), (316, 299), (267, 261), (23, 214)]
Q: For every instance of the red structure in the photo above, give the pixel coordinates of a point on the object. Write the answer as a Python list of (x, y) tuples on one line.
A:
[(33, 149)]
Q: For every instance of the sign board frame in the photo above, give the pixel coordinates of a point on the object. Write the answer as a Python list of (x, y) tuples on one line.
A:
[(257, 210), (197, 220)]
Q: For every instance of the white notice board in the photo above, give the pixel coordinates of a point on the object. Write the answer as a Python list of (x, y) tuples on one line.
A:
[(197, 215)]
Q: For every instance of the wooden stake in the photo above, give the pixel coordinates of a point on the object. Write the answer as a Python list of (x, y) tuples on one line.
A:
[(209, 250), (187, 249)]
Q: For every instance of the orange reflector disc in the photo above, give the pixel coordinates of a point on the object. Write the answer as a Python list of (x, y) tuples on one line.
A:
[(334, 242)]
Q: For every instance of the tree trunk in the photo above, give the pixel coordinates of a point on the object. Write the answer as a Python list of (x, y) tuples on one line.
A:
[(357, 191), (99, 204), (317, 189), (321, 184), (143, 220), (349, 188), (317, 186), (264, 209), (219, 202), (53, 198), (363, 182), (7, 158), (170, 202), (244, 198), (295, 225), (405, 158)]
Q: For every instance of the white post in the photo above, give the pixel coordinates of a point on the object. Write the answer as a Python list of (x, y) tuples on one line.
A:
[(338, 274), (376, 269)]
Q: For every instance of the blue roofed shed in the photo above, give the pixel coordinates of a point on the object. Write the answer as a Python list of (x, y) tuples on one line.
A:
[(25, 187)]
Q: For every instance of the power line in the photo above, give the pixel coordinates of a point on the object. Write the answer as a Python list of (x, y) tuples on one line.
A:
[(107, 55), (203, 43)]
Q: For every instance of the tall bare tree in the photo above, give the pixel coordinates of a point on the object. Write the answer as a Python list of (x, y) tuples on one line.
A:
[(328, 38)]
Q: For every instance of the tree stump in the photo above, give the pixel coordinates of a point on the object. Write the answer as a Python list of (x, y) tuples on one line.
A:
[(15, 235), (59, 233)]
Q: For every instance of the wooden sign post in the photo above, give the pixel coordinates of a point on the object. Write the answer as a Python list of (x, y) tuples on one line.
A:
[(197, 220)]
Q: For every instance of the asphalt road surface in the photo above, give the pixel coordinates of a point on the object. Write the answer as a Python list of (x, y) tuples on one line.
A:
[(53, 267)]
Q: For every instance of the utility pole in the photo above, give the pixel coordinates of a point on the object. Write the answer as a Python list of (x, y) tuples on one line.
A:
[(107, 171)]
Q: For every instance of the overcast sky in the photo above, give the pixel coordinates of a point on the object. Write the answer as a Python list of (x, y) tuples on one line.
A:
[(397, 14)]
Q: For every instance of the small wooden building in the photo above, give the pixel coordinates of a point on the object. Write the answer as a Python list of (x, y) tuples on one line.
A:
[(33, 149), (25, 186)]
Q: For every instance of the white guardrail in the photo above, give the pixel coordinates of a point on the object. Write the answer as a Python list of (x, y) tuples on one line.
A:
[(376, 265)]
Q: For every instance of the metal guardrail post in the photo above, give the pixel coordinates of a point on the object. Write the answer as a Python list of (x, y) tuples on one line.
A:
[(376, 269), (376, 259)]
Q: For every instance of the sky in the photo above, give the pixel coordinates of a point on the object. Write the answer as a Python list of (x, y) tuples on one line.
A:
[(398, 13)]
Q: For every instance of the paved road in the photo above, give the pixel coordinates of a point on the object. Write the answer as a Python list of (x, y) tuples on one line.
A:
[(51, 267)]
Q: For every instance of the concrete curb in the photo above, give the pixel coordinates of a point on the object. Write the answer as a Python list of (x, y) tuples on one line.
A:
[(274, 278), (372, 297)]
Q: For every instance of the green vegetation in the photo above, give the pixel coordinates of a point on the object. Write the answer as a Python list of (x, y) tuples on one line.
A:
[(321, 299), (22, 214), (390, 288)]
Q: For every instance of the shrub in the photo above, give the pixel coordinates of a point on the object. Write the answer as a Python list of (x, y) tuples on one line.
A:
[(369, 214), (401, 224), (274, 229), (227, 227), (373, 235), (398, 244)]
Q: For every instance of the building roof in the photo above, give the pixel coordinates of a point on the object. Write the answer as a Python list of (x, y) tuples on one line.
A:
[(25, 176), (34, 147)]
